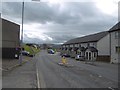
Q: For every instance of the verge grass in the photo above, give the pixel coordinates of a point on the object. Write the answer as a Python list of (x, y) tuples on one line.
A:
[(31, 50)]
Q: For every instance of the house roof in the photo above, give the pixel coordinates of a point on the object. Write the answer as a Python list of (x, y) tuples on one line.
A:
[(81, 49), (115, 27), (92, 49), (5, 20), (89, 38)]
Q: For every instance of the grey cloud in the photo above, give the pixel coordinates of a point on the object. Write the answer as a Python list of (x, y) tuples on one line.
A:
[(74, 20), (74, 13), (42, 12), (12, 10), (34, 40)]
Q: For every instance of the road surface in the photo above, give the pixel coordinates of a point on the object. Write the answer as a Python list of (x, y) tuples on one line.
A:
[(78, 75)]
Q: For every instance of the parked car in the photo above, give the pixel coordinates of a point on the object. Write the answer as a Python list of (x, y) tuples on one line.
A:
[(50, 51), (26, 53), (31, 55), (64, 54), (16, 56), (78, 57), (17, 52)]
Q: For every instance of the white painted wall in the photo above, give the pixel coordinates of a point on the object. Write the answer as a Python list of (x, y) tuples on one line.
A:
[(103, 45), (114, 55)]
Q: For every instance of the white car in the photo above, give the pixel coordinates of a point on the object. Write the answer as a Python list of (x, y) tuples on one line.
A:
[(78, 57)]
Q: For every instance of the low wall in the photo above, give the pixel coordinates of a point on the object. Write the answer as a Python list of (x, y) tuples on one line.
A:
[(9, 52), (103, 58)]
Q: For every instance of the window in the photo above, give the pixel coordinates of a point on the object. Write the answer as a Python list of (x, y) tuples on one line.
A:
[(117, 49), (117, 34), (88, 44), (79, 45), (76, 45)]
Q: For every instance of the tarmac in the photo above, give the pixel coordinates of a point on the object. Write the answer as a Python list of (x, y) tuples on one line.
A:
[(13, 72)]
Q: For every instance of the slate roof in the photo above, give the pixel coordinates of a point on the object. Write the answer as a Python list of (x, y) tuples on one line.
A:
[(92, 49), (81, 49), (115, 27), (89, 38)]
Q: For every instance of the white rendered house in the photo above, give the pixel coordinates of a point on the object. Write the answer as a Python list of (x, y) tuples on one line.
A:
[(115, 43)]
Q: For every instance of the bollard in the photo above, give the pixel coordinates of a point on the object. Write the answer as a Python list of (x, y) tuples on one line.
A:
[(64, 61)]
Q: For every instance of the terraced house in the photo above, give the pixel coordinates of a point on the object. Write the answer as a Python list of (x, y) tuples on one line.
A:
[(88, 46), (102, 46)]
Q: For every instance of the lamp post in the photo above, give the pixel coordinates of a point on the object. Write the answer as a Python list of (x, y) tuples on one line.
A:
[(21, 41)]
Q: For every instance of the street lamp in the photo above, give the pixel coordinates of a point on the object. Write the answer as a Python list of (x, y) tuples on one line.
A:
[(21, 41)]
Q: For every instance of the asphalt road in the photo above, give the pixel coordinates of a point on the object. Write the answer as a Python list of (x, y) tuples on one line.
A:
[(77, 75)]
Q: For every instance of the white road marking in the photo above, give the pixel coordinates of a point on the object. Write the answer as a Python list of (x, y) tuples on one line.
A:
[(99, 76), (111, 88), (38, 81), (91, 75), (3, 69)]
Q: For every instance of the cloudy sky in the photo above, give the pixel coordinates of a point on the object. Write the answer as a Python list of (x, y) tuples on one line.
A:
[(56, 21)]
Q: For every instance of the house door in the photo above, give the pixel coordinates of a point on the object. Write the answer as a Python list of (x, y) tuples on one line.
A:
[(89, 56)]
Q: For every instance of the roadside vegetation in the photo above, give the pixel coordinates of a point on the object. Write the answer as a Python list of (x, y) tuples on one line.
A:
[(31, 49)]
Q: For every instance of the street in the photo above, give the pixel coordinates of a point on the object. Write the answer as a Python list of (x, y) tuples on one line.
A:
[(56, 44), (77, 75)]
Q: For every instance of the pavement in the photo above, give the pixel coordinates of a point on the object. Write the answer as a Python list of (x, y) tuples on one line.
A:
[(8, 64), (23, 76)]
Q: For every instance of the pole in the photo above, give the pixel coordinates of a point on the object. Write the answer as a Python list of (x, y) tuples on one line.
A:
[(21, 42)]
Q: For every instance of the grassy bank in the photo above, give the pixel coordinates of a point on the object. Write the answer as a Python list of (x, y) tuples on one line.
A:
[(31, 50)]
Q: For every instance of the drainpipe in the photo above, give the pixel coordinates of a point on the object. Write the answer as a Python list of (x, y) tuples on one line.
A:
[(110, 45), (118, 45)]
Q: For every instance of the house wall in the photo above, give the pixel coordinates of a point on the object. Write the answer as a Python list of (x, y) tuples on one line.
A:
[(103, 46), (10, 39), (115, 57), (10, 34)]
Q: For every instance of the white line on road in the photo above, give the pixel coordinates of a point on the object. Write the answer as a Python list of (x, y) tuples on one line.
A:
[(38, 81), (111, 88), (3, 69)]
